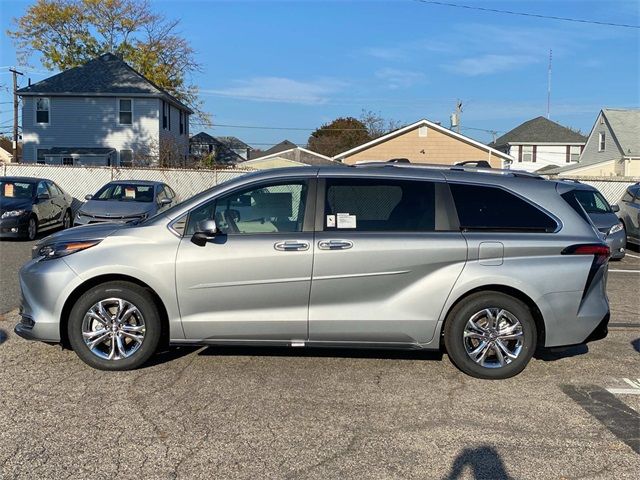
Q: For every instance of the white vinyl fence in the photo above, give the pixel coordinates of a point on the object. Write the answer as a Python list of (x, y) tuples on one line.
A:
[(80, 181)]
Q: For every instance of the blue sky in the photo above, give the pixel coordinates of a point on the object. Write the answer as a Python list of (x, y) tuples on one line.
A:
[(302, 63)]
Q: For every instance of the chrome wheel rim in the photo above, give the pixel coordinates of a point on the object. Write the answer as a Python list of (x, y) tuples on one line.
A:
[(493, 337), (31, 229), (113, 329)]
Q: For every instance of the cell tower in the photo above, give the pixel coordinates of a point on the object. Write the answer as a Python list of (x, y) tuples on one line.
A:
[(549, 86)]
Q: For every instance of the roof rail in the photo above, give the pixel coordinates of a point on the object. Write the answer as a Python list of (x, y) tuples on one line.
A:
[(456, 168), (569, 180)]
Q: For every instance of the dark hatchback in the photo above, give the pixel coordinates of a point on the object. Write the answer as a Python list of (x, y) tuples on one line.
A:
[(31, 205)]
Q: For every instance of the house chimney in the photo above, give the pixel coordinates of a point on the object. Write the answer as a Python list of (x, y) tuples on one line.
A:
[(29, 81)]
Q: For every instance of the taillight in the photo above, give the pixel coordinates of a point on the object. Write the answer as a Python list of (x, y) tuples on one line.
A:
[(601, 253), (597, 249)]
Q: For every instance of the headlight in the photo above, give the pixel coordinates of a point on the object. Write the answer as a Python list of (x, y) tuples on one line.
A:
[(13, 213), (616, 228), (57, 250)]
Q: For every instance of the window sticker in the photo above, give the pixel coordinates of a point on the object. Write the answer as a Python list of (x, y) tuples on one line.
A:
[(331, 221), (8, 190), (346, 220), (130, 193)]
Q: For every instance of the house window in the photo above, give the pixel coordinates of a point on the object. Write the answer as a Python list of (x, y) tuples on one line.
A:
[(527, 153), (574, 154), (42, 110), (422, 131), (40, 153), (181, 122), (125, 111), (67, 161), (164, 114), (126, 158), (602, 141)]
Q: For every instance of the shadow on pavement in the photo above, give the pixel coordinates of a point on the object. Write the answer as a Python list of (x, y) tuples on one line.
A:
[(635, 344), (169, 355), (558, 353), (261, 351), (3, 336), (484, 463)]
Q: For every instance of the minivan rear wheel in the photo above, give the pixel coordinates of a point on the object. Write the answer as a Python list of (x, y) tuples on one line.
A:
[(115, 326), (490, 335)]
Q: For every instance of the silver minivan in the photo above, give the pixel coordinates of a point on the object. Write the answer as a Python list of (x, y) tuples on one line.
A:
[(484, 264)]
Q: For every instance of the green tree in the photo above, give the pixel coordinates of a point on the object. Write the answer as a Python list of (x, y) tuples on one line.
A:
[(68, 33), (338, 136)]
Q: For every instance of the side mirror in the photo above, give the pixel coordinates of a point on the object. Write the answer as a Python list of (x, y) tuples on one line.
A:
[(43, 196), (615, 208), (88, 197), (165, 201), (205, 231)]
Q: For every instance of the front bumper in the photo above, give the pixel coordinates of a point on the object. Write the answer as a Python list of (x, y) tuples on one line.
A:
[(45, 285), (14, 227), (617, 243)]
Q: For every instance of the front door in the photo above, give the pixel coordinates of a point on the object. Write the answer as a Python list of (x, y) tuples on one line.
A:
[(252, 281), (386, 259), (44, 206)]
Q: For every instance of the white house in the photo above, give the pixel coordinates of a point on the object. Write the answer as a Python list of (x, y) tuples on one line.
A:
[(102, 113), (541, 144)]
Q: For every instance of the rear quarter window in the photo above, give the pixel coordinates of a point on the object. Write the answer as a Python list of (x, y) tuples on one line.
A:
[(491, 208)]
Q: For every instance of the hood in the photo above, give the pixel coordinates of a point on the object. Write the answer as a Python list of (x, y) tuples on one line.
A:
[(95, 231), (604, 220), (116, 208), (8, 203)]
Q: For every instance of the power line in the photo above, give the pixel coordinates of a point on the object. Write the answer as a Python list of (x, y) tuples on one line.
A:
[(527, 14)]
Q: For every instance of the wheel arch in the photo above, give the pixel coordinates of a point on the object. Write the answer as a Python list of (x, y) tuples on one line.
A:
[(507, 290), (92, 282)]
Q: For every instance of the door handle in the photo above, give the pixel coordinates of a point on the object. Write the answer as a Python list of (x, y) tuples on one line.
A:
[(335, 244), (292, 246)]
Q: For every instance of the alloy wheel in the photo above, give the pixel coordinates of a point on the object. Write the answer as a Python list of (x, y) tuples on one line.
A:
[(113, 329), (32, 228), (493, 337)]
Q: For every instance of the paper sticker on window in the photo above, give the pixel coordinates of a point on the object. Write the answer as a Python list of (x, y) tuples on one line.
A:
[(130, 193), (331, 221), (346, 220), (8, 190)]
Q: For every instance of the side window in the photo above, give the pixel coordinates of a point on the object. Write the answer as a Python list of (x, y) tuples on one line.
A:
[(170, 192), (42, 189), (492, 208), (54, 189), (636, 194), (271, 208), (627, 197), (379, 205), (161, 193)]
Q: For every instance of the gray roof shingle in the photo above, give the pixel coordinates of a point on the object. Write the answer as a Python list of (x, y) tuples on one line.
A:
[(104, 75), (540, 130), (625, 124)]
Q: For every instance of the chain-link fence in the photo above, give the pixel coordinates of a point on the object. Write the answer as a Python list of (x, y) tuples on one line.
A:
[(80, 181)]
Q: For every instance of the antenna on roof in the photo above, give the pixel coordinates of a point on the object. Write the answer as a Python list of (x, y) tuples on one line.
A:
[(549, 87)]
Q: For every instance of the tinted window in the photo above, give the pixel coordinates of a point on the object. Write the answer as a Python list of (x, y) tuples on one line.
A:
[(592, 202), (492, 208), (267, 209), (53, 188), (371, 205), (42, 189), (125, 192)]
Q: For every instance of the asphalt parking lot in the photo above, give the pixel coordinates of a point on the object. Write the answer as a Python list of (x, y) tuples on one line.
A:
[(277, 413)]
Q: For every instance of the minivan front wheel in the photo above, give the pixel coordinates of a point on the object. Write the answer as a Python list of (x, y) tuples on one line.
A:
[(490, 335), (115, 326)]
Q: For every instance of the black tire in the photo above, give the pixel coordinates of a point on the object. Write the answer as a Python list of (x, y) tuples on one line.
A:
[(129, 292), (67, 220), (457, 345), (32, 228)]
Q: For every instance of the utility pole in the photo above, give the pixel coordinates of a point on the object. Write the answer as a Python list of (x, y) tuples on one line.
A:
[(15, 114), (549, 87)]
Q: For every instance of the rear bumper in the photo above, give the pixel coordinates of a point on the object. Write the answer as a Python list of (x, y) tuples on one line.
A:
[(601, 331), (617, 243)]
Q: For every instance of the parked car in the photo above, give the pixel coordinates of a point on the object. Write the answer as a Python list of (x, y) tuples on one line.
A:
[(487, 265), (126, 201), (629, 213), (603, 217), (31, 205)]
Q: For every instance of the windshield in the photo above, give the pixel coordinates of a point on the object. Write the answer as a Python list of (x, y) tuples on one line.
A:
[(9, 189), (592, 202), (125, 192)]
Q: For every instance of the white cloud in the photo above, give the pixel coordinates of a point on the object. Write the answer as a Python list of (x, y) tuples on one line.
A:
[(280, 90), (397, 78), (490, 63)]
